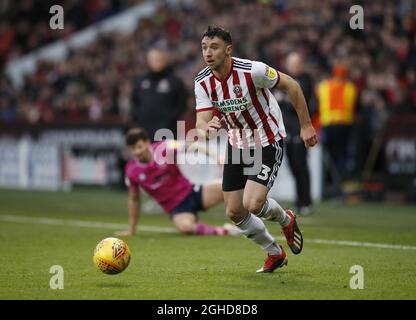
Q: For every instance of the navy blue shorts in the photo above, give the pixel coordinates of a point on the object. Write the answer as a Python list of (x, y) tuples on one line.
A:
[(192, 203)]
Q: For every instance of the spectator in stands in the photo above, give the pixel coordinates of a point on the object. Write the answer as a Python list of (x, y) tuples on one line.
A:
[(8, 109), (383, 55), (26, 22), (159, 96)]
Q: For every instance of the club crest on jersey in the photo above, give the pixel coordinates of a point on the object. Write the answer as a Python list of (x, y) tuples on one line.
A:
[(142, 177), (238, 91)]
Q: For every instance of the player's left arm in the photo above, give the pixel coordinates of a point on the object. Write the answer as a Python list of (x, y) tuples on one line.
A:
[(307, 131), (268, 77)]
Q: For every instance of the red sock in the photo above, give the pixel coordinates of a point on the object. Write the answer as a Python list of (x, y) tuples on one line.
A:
[(207, 230)]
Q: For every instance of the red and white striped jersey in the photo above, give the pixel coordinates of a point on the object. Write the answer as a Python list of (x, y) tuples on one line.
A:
[(244, 100)]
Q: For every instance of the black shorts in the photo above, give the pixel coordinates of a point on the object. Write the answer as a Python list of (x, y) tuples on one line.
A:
[(191, 204), (264, 164)]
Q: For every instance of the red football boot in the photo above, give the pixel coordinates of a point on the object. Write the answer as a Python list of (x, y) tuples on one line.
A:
[(293, 235), (273, 262)]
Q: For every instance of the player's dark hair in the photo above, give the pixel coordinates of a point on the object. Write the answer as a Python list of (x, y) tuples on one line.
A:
[(215, 31), (134, 135)]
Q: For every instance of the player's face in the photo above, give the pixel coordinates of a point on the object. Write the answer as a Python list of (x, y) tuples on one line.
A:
[(141, 151), (215, 51)]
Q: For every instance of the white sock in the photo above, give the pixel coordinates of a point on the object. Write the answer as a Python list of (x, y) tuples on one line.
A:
[(253, 228), (274, 249), (272, 211)]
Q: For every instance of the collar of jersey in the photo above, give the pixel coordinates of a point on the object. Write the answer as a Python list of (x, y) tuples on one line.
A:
[(228, 75)]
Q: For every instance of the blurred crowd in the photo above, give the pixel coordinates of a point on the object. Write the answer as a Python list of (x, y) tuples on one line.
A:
[(24, 24), (96, 82)]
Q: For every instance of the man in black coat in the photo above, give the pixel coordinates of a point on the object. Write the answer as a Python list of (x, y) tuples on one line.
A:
[(159, 97), (295, 148)]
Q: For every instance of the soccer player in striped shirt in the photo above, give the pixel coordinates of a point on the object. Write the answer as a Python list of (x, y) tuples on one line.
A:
[(238, 91)]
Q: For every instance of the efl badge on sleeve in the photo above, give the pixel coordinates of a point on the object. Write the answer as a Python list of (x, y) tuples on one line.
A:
[(271, 73)]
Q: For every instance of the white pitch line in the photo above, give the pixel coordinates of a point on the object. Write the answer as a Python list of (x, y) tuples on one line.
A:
[(82, 224), (109, 225), (362, 244), (355, 244)]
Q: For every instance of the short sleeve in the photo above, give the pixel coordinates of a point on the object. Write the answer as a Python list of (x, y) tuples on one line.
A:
[(203, 103), (131, 185), (264, 76)]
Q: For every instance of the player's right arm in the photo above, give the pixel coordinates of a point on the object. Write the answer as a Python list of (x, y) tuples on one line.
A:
[(206, 124), (133, 205)]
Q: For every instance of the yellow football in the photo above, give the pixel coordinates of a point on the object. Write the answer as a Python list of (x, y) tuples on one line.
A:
[(111, 256)]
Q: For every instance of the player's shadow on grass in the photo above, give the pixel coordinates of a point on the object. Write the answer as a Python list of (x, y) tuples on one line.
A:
[(113, 285), (279, 276)]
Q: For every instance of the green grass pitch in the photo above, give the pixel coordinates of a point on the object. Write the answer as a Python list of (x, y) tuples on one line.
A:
[(167, 265)]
